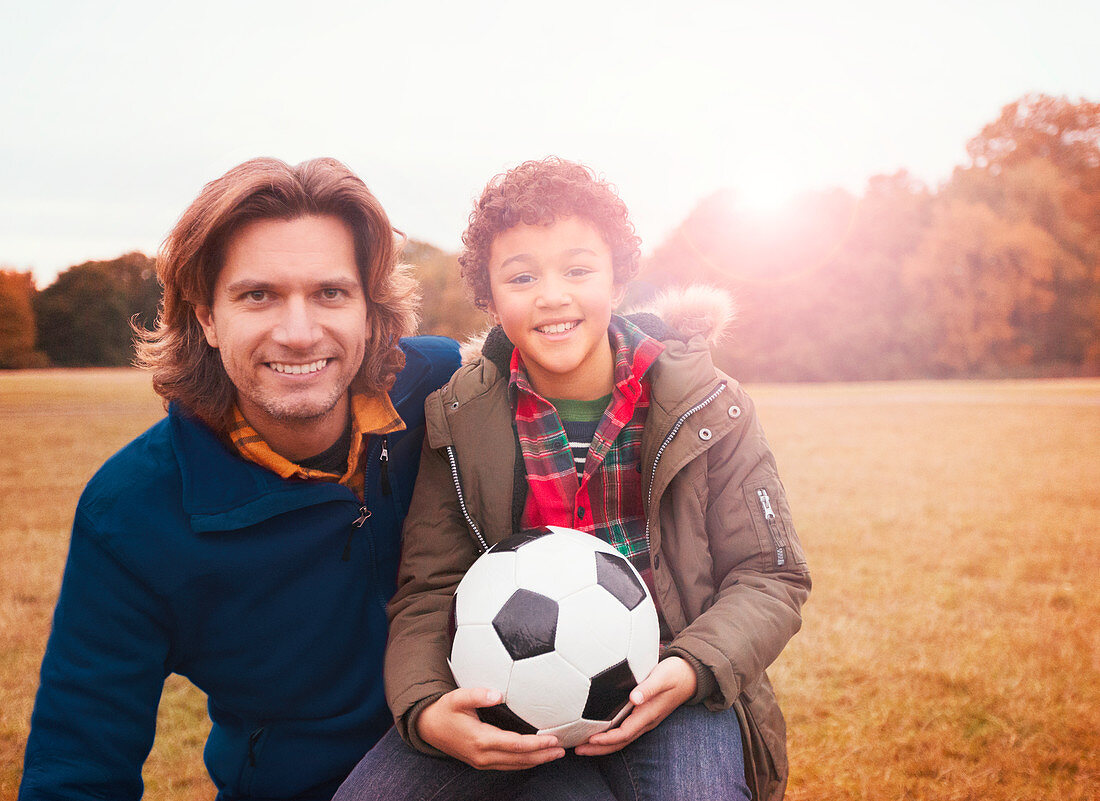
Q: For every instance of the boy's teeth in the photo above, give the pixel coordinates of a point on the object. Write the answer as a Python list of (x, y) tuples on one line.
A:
[(298, 369), (557, 328)]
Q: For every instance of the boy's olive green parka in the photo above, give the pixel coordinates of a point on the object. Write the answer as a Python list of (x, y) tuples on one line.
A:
[(729, 571)]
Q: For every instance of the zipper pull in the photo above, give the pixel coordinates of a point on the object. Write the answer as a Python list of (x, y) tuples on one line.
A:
[(253, 738), (765, 504), (356, 524), (773, 526), (384, 458)]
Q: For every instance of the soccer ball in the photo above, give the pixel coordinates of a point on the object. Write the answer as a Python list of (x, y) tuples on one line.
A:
[(561, 625)]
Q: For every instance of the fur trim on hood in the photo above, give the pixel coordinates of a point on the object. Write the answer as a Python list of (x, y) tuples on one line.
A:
[(696, 310)]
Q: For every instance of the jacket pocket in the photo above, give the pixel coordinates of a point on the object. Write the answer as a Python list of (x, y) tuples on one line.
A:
[(256, 739), (771, 519)]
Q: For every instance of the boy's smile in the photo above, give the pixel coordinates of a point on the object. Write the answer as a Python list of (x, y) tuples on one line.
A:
[(553, 291)]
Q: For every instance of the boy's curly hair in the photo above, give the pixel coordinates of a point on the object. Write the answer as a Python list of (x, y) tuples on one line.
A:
[(538, 193)]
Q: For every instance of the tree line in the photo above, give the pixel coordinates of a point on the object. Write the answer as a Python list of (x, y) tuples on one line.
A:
[(994, 273)]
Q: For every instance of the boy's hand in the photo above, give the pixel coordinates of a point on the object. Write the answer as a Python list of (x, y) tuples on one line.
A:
[(451, 724), (670, 684)]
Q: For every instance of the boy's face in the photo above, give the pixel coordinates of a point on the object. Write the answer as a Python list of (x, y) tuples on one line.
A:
[(553, 291)]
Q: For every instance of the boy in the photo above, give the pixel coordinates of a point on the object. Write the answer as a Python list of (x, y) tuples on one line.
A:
[(621, 427)]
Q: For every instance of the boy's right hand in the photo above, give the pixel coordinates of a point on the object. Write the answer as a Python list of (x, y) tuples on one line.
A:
[(451, 724)]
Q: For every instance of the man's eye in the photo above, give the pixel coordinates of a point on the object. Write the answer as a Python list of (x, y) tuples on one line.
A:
[(256, 296), (332, 293)]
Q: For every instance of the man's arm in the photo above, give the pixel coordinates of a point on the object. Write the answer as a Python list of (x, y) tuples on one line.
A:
[(95, 714)]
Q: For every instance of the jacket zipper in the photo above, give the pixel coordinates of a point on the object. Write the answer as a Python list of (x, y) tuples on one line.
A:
[(364, 512), (384, 459), (773, 526), (661, 452), (253, 738), (462, 500)]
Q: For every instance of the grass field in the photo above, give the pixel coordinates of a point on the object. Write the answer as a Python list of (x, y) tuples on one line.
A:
[(950, 647)]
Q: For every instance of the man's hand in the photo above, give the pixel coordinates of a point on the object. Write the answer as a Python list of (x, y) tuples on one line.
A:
[(670, 684), (451, 724)]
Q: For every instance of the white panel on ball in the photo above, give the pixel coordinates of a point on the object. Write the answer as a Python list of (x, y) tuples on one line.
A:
[(479, 660), (547, 691), (645, 635), (573, 734), (556, 566), (488, 583), (594, 630)]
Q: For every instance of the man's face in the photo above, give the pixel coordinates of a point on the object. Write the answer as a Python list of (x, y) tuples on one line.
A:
[(553, 291), (289, 319)]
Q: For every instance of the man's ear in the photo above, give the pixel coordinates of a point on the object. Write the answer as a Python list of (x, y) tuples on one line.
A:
[(206, 319)]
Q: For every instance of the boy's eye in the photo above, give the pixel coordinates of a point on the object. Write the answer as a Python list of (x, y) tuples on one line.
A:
[(578, 272), (522, 278)]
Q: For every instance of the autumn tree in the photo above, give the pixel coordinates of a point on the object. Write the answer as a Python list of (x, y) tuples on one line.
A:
[(17, 331), (446, 310), (83, 318), (1039, 164)]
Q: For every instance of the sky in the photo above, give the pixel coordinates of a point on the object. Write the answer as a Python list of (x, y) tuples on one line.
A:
[(115, 114)]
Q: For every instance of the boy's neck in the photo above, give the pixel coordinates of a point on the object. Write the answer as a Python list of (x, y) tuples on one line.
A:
[(593, 378)]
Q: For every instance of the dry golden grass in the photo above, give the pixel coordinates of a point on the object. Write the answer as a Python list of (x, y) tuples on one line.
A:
[(950, 647)]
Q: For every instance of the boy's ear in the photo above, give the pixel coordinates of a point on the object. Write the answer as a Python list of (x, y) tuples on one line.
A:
[(491, 310), (618, 292)]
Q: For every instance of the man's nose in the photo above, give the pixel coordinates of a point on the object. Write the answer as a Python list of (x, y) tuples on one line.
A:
[(297, 328)]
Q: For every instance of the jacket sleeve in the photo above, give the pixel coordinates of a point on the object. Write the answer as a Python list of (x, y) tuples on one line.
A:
[(95, 713), (437, 550), (758, 564)]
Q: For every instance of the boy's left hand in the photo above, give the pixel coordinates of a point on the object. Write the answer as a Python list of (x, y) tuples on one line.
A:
[(670, 684)]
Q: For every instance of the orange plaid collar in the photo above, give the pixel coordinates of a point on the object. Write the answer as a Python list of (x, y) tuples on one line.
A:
[(370, 414)]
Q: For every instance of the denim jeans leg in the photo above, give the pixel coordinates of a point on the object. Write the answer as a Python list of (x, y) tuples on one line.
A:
[(392, 771), (693, 755), (571, 778)]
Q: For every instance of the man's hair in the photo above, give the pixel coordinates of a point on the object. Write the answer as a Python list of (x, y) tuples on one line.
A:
[(185, 368), (538, 193)]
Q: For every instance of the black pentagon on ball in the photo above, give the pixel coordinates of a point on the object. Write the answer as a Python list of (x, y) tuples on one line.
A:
[(615, 575), (513, 542), (527, 624), (609, 693), (504, 718)]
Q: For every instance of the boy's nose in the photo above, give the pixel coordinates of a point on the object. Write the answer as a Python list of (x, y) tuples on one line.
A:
[(553, 294), (297, 329)]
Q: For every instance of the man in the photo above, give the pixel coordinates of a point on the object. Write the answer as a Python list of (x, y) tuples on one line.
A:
[(249, 541)]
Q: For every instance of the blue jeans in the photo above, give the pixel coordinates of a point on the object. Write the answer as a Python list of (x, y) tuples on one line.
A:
[(694, 754)]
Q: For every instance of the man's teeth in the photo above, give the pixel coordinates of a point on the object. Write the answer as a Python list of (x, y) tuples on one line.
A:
[(557, 328), (298, 369)]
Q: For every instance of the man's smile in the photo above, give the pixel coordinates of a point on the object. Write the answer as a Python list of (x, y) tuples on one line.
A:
[(297, 369)]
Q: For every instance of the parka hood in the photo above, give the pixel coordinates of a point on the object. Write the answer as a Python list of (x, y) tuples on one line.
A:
[(677, 313)]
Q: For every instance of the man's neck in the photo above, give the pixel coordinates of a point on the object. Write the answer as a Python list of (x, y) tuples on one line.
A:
[(296, 440)]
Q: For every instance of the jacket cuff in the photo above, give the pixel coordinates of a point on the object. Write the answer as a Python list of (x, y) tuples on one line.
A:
[(406, 726), (705, 682)]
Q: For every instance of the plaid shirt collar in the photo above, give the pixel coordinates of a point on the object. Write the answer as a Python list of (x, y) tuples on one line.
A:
[(606, 499), (633, 352), (370, 414)]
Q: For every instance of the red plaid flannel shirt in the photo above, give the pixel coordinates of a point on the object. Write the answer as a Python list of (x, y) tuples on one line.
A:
[(606, 500)]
